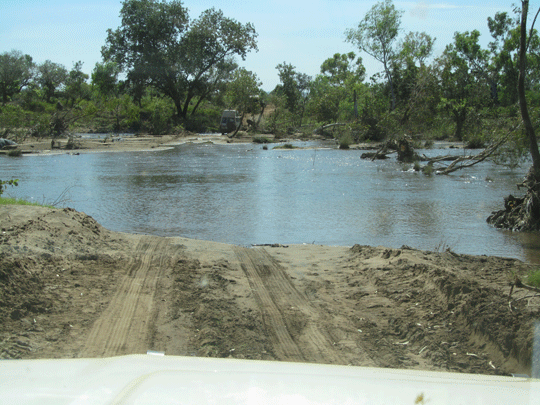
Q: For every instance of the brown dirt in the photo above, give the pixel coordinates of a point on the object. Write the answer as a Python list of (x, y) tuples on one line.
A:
[(70, 288)]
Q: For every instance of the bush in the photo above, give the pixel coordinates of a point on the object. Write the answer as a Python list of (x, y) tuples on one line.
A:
[(261, 139), (5, 183), (345, 141)]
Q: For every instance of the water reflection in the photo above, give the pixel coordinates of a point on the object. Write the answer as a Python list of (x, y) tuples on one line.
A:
[(243, 194)]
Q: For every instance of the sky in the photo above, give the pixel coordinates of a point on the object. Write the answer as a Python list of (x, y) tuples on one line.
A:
[(301, 32)]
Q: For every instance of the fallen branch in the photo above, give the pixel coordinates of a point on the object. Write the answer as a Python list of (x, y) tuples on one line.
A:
[(475, 159)]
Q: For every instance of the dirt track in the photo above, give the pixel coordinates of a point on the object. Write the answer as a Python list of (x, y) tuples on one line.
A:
[(70, 288)]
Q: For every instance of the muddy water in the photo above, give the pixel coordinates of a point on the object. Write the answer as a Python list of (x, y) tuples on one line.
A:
[(245, 195)]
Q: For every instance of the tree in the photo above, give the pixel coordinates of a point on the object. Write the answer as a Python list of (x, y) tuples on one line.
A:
[(332, 91), (105, 78), (523, 214), (524, 42), (243, 92), (376, 35), (50, 77), (416, 47), (409, 69), (158, 45), (295, 87), (463, 78), (76, 86), (341, 69), (505, 57), (16, 71)]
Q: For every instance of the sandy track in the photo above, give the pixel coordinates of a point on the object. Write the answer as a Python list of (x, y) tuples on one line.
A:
[(124, 326), (289, 318)]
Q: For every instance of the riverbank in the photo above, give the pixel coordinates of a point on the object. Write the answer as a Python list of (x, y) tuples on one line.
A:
[(136, 143), (71, 288)]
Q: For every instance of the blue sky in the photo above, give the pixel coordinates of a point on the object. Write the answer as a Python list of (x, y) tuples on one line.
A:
[(303, 33)]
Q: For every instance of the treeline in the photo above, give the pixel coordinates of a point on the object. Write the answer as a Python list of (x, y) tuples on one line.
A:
[(163, 72)]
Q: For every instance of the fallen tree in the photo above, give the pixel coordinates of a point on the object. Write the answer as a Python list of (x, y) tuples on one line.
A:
[(462, 162), (402, 146)]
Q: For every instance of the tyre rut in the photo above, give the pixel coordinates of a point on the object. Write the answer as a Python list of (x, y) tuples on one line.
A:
[(124, 325), (290, 319)]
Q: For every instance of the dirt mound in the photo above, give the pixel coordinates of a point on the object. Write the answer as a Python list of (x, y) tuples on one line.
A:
[(451, 310)]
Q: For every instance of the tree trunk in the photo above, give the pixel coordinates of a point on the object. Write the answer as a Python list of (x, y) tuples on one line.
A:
[(460, 116), (392, 93), (523, 214), (529, 129)]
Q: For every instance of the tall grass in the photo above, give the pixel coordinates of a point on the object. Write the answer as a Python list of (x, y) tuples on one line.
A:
[(18, 201)]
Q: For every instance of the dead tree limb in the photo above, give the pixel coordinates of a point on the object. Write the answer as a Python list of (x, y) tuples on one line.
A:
[(472, 160)]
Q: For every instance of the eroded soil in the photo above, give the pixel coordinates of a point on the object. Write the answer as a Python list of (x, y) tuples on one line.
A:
[(70, 288)]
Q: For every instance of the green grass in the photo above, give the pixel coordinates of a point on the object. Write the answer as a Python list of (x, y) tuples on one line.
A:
[(261, 139), (534, 278), (18, 201)]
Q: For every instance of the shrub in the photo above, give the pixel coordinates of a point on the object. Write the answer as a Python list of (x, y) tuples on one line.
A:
[(261, 139), (345, 141), (5, 183), (428, 169)]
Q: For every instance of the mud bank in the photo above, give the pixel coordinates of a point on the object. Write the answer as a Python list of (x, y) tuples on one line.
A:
[(70, 288)]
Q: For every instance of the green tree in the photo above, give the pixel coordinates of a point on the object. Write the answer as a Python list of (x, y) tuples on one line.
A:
[(105, 78), (376, 35), (50, 77), (76, 86), (243, 92), (504, 49), (463, 70), (16, 71), (158, 45), (342, 69), (414, 49), (332, 91), (295, 87)]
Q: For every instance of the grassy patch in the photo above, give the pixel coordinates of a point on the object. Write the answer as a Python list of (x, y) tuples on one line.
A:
[(18, 201), (261, 139), (534, 278)]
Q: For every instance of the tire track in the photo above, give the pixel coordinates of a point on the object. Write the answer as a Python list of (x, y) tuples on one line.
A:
[(290, 319), (123, 328)]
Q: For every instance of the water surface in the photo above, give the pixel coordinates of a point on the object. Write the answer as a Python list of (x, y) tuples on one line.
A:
[(245, 195)]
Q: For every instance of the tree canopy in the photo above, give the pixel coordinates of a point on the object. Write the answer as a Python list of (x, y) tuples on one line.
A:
[(16, 71), (376, 35), (158, 45)]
